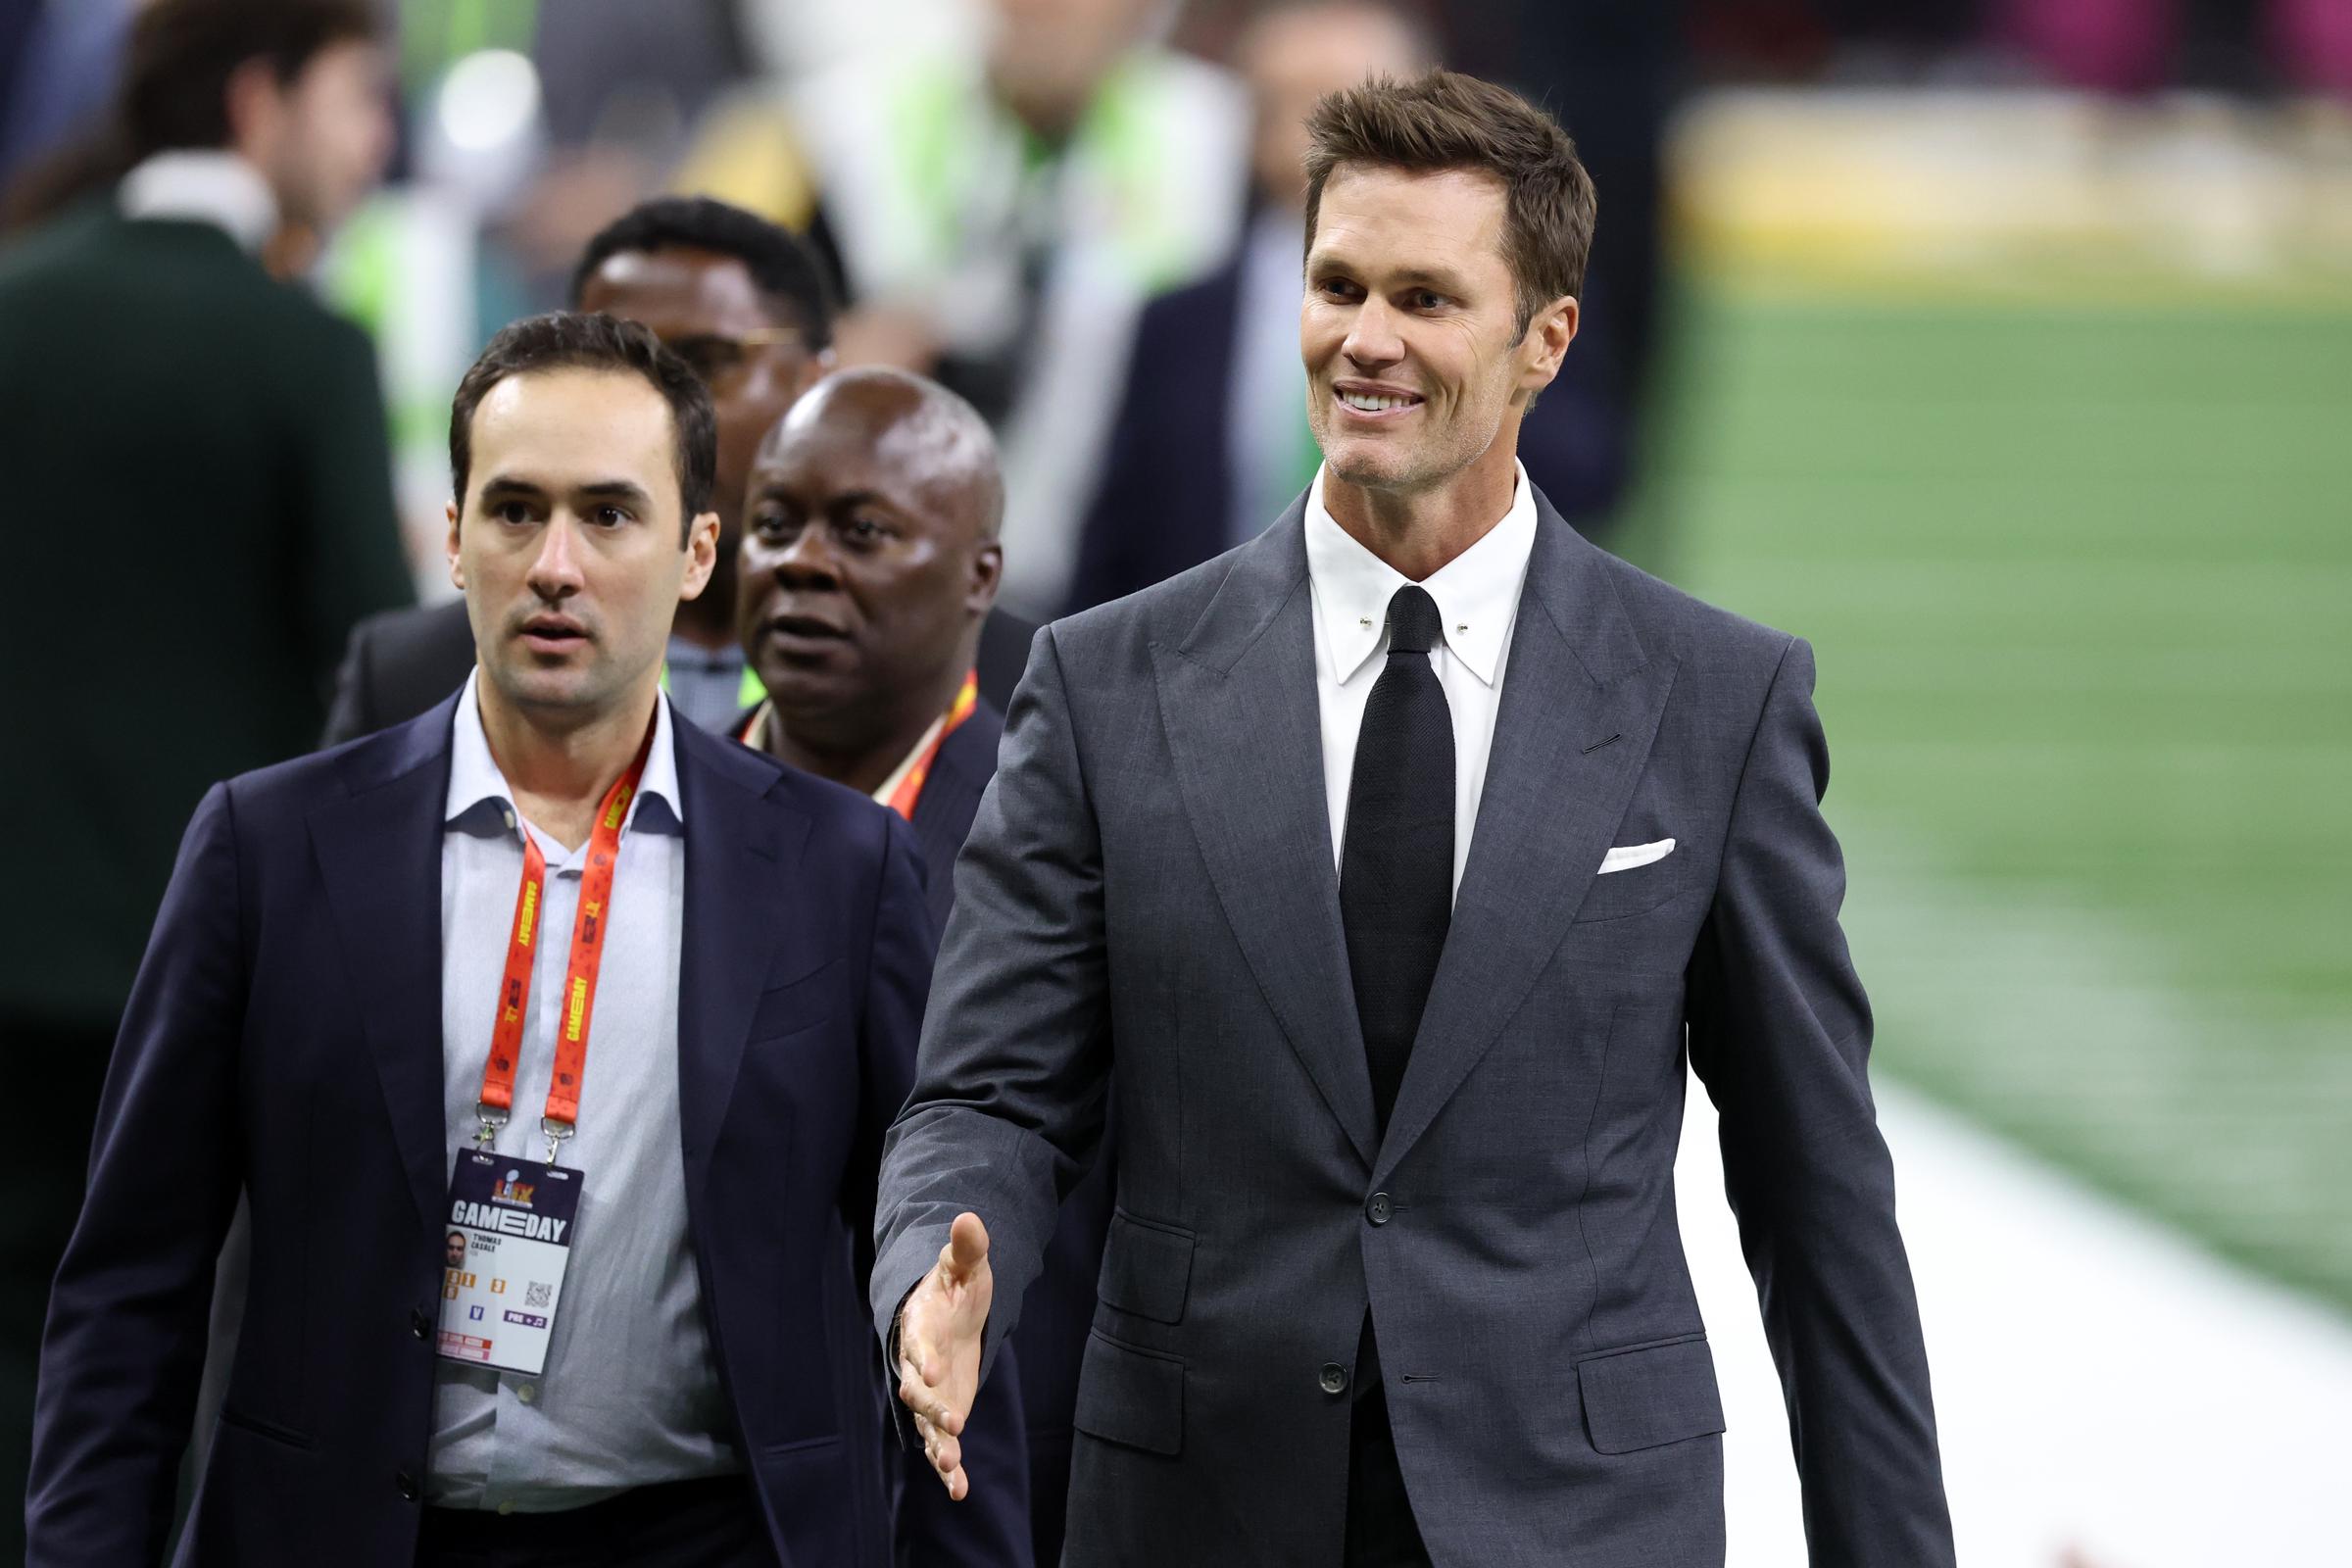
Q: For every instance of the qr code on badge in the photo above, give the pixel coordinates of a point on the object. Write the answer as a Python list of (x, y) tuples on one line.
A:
[(538, 1294)]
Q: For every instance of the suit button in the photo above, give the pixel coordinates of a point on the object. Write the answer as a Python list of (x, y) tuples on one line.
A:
[(1335, 1378), (420, 1324), (406, 1485), (1379, 1208)]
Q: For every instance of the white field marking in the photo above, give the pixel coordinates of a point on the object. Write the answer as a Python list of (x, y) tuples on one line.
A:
[(2065, 1017), (2101, 1386), (2139, 591)]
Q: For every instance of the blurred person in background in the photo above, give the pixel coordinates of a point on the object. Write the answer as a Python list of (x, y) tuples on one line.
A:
[(1610, 72), (711, 309), (870, 559), (1210, 437), (998, 221), (220, 440), (59, 62), (744, 303), (620, 86)]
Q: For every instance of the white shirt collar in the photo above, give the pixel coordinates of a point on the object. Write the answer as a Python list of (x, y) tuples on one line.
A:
[(207, 185), (898, 775), (1477, 591), (473, 775)]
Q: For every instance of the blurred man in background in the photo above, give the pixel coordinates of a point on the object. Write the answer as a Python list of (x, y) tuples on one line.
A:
[(1000, 221), (744, 303), (1613, 73), (59, 75), (218, 440), (1210, 438), (871, 559)]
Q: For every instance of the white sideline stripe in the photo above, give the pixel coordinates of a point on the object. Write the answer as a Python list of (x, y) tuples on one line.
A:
[(2100, 1383)]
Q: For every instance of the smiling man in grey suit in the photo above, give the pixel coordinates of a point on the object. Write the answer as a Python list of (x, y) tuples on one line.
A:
[(1400, 856)]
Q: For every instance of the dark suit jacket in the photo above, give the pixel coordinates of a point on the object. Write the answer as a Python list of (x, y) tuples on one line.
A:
[(1052, 1337), (400, 663), (284, 1037), (1164, 503), (1150, 881), (201, 506)]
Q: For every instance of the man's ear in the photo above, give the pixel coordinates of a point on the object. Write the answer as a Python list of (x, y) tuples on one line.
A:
[(457, 566), (988, 575), (254, 103), (701, 555), (1545, 345), (813, 370)]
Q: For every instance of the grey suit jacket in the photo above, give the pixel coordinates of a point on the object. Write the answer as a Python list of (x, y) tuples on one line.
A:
[(1151, 877)]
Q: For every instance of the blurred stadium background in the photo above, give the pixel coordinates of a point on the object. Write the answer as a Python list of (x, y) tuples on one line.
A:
[(2028, 409), (2004, 351)]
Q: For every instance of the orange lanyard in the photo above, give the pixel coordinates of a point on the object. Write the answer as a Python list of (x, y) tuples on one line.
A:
[(497, 1101), (910, 788)]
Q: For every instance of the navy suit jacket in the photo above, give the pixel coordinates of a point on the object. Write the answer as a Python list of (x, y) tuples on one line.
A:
[(1164, 503), (284, 1037), (1051, 1342)]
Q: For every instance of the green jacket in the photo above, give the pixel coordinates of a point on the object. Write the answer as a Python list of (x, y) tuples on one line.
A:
[(197, 506)]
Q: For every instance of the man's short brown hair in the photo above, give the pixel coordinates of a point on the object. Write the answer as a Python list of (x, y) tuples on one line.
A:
[(1443, 120), (181, 54)]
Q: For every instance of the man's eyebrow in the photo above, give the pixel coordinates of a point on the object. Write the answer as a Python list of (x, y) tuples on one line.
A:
[(615, 490), (507, 485), (1436, 278)]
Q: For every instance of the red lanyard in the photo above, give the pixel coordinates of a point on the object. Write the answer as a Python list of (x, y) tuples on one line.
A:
[(497, 1101), (910, 788)]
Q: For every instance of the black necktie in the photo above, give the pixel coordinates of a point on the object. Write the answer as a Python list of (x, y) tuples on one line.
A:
[(1397, 865)]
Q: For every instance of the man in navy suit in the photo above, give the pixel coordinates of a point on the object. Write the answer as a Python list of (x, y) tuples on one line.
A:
[(553, 1041), (869, 564)]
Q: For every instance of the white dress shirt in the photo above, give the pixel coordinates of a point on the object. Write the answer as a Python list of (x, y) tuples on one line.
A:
[(198, 185), (630, 1395), (1477, 594), (883, 790)]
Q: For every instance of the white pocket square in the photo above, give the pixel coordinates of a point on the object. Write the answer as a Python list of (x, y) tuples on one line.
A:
[(1626, 857)]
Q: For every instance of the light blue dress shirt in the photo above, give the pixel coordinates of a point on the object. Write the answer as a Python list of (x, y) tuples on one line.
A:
[(629, 1395)]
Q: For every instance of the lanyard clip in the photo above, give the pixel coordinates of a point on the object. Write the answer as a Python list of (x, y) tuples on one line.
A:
[(492, 1118), (557, 1132)]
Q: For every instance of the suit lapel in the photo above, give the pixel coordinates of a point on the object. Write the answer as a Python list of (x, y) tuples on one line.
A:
[(739, 859), (1245, 729), (379, 858), (1581, 704)]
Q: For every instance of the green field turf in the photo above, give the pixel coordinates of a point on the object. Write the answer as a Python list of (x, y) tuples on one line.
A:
[(2081, 583)]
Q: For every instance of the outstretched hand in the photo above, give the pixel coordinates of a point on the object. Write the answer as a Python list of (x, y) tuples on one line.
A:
[(939, 1347)]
